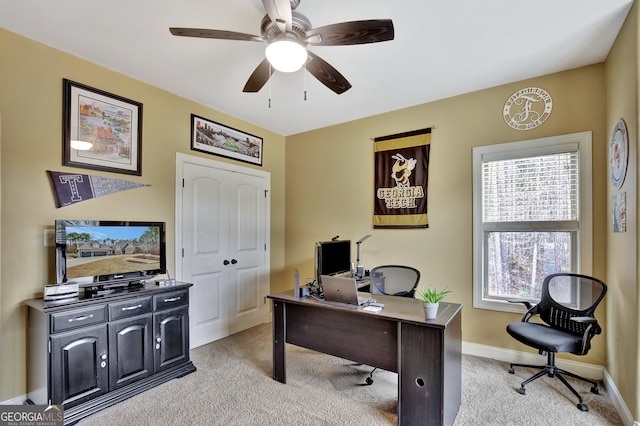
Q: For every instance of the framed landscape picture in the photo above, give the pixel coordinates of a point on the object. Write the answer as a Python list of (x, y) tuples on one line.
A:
[(215, 138), (101, 131)]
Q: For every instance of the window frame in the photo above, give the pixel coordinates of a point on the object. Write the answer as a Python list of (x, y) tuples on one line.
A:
[(583, 259)]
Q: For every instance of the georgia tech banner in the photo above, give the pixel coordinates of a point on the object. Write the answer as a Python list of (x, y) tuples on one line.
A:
[(401, 174)]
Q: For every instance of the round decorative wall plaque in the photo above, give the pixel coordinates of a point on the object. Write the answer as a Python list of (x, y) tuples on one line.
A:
[(527, 108), (619, 154)]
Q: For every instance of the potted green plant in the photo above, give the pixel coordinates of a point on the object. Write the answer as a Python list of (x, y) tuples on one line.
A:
[(431, 298)]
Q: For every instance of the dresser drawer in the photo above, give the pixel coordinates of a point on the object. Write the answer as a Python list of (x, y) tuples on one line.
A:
[(129, 308), (66, 320), (170, 299)]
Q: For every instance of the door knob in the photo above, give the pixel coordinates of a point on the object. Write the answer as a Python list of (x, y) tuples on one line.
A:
[(234, 261), (226, 262)]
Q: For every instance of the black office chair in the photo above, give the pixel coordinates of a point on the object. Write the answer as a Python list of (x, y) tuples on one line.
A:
[(393, 280), (567, 305)]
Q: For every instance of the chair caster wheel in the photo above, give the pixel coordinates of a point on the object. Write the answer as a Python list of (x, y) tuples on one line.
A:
[(511, 371), (522, 391), (583, 407), (595, 390), (369, 380)]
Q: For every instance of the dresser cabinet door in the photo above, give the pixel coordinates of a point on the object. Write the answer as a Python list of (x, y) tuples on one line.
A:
[(130, 353), (79, 365), (171, 342)]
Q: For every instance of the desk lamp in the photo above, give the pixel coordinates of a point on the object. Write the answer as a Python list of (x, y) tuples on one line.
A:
[(360, 268)]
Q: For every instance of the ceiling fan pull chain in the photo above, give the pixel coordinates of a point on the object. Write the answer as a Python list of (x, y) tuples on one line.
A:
[(305, 82), (270, 76)]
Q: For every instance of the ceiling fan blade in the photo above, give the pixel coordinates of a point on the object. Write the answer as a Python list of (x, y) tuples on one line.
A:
[(279, 12), (326, 74), (218, 34), (354, 32), (259, 77)]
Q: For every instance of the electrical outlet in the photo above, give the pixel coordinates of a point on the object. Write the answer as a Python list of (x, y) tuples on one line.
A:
[(49, 238)]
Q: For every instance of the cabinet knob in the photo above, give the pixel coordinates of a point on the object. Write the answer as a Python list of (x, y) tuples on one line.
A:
[(226, 262), (233, 261), (103, 356), (158, 339)]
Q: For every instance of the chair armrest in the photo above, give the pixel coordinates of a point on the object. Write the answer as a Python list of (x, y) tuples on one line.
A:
[(584, 320), (592, 329), (593, 326), (531, 309), (525, 302)]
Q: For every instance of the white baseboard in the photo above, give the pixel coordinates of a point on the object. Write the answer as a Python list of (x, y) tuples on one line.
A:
[(616, 398), (18, 400), (591, 371), (596, 372)]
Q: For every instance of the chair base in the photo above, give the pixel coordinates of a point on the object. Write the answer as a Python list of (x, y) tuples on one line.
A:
[(369, 380), (552, 370)]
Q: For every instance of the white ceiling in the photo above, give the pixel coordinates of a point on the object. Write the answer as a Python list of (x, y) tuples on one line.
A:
[(442, 48)]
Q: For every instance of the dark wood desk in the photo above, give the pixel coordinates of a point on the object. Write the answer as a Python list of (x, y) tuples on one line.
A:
[(426, 354)]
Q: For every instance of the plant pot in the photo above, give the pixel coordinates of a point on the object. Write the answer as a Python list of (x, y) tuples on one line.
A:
[(430, 310)]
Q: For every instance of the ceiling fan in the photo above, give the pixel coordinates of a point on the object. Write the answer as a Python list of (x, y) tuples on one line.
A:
[(288, 33)]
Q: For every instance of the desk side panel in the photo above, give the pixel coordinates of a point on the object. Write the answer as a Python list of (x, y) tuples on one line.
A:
[(363, 338), (421, 375), (452, 386), (279, 340)]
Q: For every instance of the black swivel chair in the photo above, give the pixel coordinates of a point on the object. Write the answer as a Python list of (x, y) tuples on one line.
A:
[(567, 305), (393, 280)]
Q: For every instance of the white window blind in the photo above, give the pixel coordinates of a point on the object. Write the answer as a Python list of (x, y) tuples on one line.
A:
[(541, 188)]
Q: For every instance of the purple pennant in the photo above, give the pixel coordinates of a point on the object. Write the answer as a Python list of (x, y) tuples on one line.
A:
[(70, 188)]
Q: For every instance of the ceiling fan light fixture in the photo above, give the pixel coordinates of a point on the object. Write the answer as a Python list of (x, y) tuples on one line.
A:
[(286, 55), (81, 145)]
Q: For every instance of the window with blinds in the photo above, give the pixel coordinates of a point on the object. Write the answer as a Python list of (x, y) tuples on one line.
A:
[(527, 213), (541, 188)]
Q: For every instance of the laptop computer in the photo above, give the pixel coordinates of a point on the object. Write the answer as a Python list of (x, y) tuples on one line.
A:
[(341, 289)]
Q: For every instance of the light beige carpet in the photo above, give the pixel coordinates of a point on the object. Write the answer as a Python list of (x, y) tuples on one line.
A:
[(233, 386)]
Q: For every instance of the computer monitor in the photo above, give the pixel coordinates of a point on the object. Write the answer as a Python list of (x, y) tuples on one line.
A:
[(332, 257)]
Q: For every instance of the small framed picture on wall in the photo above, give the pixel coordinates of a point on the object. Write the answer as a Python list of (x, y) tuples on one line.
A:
[(619, 212), (218, 139)]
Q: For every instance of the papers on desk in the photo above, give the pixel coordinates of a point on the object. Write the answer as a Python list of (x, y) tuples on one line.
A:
[(372, 308)]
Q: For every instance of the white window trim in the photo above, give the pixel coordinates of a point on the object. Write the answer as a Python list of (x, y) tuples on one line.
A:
[(530, 148)]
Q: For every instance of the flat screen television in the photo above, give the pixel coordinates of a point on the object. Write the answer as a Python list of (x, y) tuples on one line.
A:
[(109, 252), (332, 257)]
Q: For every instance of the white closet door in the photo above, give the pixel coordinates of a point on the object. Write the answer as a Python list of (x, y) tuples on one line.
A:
[(248, 284), (223, 231), (205, 233)]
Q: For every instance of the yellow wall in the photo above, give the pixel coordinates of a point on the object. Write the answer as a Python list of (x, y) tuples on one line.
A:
[(622, 250), (31, 108), (329, 188)]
